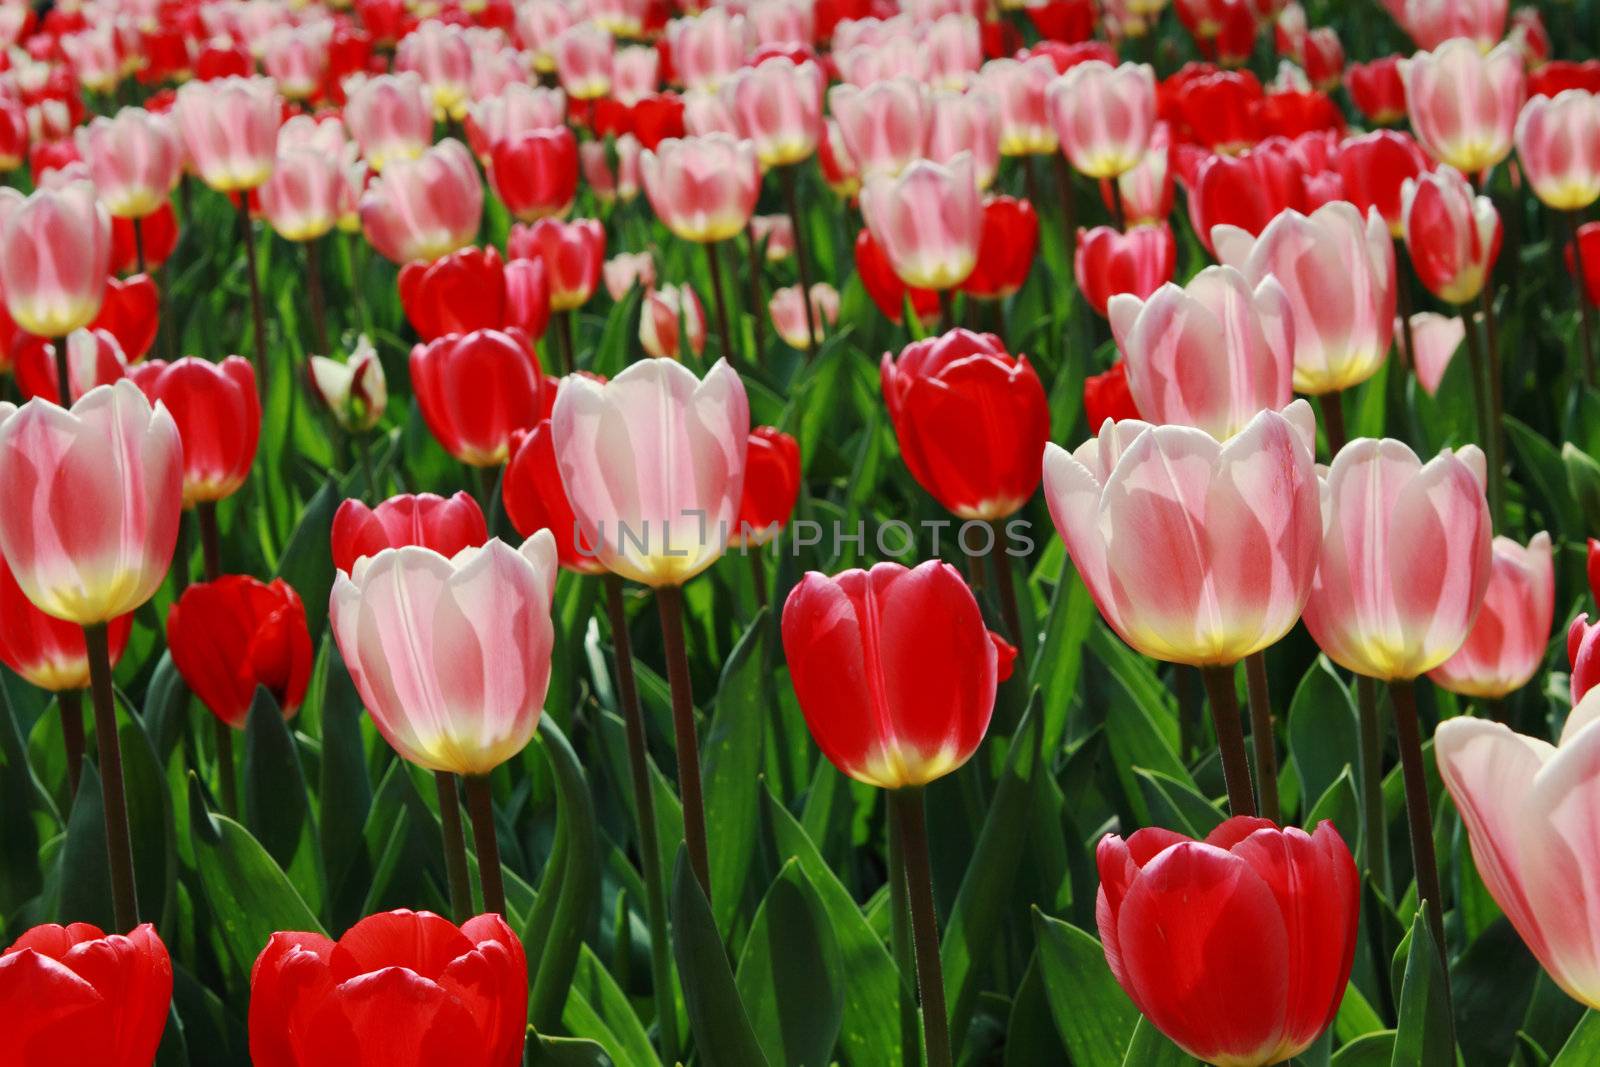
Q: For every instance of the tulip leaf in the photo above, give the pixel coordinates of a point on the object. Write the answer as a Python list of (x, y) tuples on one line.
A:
[(1031, 1035), (1144, 730), (1059, 664), (166, 702), (1547, 476), (599, 1008), (344, 790), (307, 562), (546, 1051), (789, 976), (21, 877), (1583, 479), (1177, 806), (1094, 1016), (1583, 1047), (1323, 734), (570, 893), (1425, 1035), (277, 810), (84, 877), (717, 1018), (1339, 805), (1151, 1048), (1491, 985), (1369, 1050), (731, 757)]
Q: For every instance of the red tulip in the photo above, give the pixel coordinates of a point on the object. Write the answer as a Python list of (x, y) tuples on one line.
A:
[(1237, 947), (93, 358), (1109, 262), (771, 486), (1247, 191), (131, 313), (1373, 169), (44, 650), (399, 989), (1583, 655), (472, 289), (1106, 396), (1291, 113), (475, 389), (446, 525), (1377, 90), (894, 670), (536, 499), (573, 253), (159, 232), (1589, 248), (885, 287), (1452, 233), (1560, 75), (1594, 568), (536, 173), (73, 995), (1006, 248), (233, 634), (218, 417), (1218, 109), (1069, 21), (972, 421)]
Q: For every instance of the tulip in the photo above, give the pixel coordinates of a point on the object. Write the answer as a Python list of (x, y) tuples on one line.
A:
[(1558, 142), (665, 311), (573, 254), (703, 189), (883, 127), (218, 418), (355, 390), (788, 310), (130, 313), (536, 173), (516, 109), (1585, 264), (625, 270), (1452, 234), (1405, 558), (444, 525), (1146, 190), (1377, 90), (1431, 23), (971, 421), (536, 500), (441, 55), (778, 107), (1464, 104), (391, 118), (965, 122), (296, 58), (594, 165), (230, 130), (706, 112), (107, 553), (1373, 170), (838, 166), (1103, 116), (44, 650), (635, 74), (771, 486), (475, 389), (1106, 397), (471, 289), (1006, 248), (55, 252), (135, 158), (583, 59), (306, 195), (1021, 88), (1238, 947), (708, 48), (1583, 656), (13, 135), (1109, 261), (1507, 642), (1593, 567), (1341, 335), (1434, 340), (653, 463), (408, 982), (887, 291), (233, 634), (1221, 108), (94, 57), (76, 995), (928, 220), (775, 235), (1247, 191), (424, 208), (93, 357)]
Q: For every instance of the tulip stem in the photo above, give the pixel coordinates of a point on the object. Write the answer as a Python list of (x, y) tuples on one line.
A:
[(205, 513), (569, 346), (1008, 591), (119, 842), (714, 266), (1487, 429), (1419, 813), (455, 846), (70, 702), (792, 198), (258, 315), (1262, 736), (947, 311), (904, 954), (758, 312), (1496, 399), (1402, 296), (314, 297), (63, 375), (1224, 699), (912, 828), (669, 600), (1332, 405), (758, 576), (138, 245), (480, 805), (644, 813), (1375, 830), (1069, 206), (1584, 312), (227, 777), (1118, 212)]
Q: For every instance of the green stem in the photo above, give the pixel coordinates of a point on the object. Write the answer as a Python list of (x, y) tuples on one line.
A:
[(210, 538), (1419, 813), (315, 298), (1262, 736), (669, 600), (1224, 700), (119, 842), (455, 846), (802, 264), (911, 825), (719, 298), (1332, 405), (1009, 612), (480, 805), (1374, 827), (258, 314), (1480, 402), (904, 954)]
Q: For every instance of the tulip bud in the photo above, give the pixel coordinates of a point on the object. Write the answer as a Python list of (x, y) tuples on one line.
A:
[(535, 174), (1022, 87), (1103, 116), (1558, 142), (771, 486), (928, 221), (778, 106), (218, 417), (391, 118), (424, 208), (296, 58), (1434, 339), (627, 269), (441, 56), (1463, 103), (883, 127), (135, 158), (1110, 261), (1583, 656), (665, 311), (230, 130), (573, 254), (788, 310), (1247, 191), (1373, 170), (1453, 235), (475, 389), (355, 390), (233, 634), (1377, 90), (1507, 642), (55, 252), (703, 189), (1006, 248), (708, 48), (445, 525), (583, 58), (306, 195)]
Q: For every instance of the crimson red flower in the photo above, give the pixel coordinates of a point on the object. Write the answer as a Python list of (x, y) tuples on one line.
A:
[(535, 173), (48, 155), (771, 486), (93, 358), (1214, 108), (399, 989), (894, 670), (75, 995), (472, 289), (44, 650), (1109, 262), (1589, 248), (218, 417), (1247, 191), (1559, 75), (658, 117), (160, 233), (386, 20), (1066, 56), (1068, 21), (131, 313), (1237, 947), (536, 499), (1006, 248), (474, 389), (1376, 89), (972, 421), (1290, 113), (1374, 167), (1106, 396), (446, 525), (1593, 568), (573, 253), (885, 287), (220, 58), (233, 634), (1583, 656)]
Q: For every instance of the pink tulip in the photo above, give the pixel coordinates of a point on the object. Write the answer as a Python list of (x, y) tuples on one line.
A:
[(1103, 116), (55, 253), (788, 310), (594, 165), (296, 58), (1528, 808), (1342, 333), (1506, 645), (538, 24), (775, 235), (1583, 656), (441, 55), (778, 106), (306, 196), (627, 269), (1195, 551), (625, 18), (883, 127), (706, 112), (390, 117), (1211, 354), (965, 122), (584, 55), (1405, 558), (653, 464), (928, 221), (1430, 23), (1434, 340), (709, 47), (1453, 234), (1463, 103), (1558, 142), (703, 189), (782, 23), (94, 57), (230, 130), (516, 109), (838, 166), (665, 311), (1021, 87), (573, 254), (135, 158), (635, 74), (1147, 188), (1109, 261), (451, 656), (424, 208), (950, 51), (95, 496)]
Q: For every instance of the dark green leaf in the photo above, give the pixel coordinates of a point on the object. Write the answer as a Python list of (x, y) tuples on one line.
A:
[(717, 1016), (1424, 1037), (789, 976), (577, 893), (1094, 1016)]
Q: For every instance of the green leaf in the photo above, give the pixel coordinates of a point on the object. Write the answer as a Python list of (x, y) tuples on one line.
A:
[(1031, 1036), (1370, 1050), (598, 1008), (277, 809), (1583, 479), (1547, 474), (566, 1052), (1177, 805), (1324, 737), (1151, 1048), (344, 790), (731, 757), (1057, 668), (307, 563), (1583, 1047), (577, 893), (717, 1017), (789, 975), (1424, 1037), (21, 878), (1340, 805), (1094, 1016)]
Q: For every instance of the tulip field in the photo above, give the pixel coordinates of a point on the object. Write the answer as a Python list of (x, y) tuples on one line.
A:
[(790, 533)]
